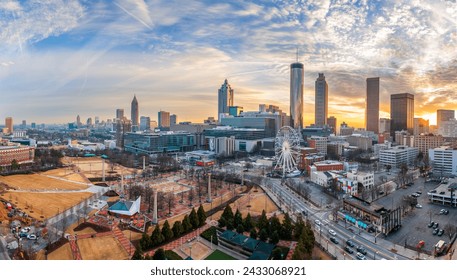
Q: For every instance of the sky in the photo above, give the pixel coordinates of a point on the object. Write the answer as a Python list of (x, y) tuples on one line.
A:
[(63, 58)]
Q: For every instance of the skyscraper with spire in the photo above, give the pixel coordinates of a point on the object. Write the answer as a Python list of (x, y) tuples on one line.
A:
[(224, 99), (135, 114)]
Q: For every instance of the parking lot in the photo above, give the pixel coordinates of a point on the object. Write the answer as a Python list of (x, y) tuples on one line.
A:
[(414, 224)]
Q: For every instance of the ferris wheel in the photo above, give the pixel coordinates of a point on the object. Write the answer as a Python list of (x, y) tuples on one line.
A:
[(287, 152)]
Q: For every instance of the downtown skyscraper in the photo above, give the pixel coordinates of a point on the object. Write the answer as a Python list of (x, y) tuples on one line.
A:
[(320, 101), (224, 99), (296, 95), (372, 105), (402, 112), (444, 115), (135, 114)]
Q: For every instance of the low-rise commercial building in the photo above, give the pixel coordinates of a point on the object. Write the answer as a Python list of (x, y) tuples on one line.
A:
[(398, 155)]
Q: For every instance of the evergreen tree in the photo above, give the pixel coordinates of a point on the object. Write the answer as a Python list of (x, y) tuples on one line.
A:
[(138, 255), (287, 228), (222, 222), (274, 225), (177, 229), (237, 219), (159, 254), (262, 223), (308, 239), (230, 224), (228, 213), (193, 218), (299, 228), (263, 234), (240, 228), (166, 231), (145, 241), (274, 237), (186, 225), (201, 215), (253, 233), (247, 223), (156, 236)]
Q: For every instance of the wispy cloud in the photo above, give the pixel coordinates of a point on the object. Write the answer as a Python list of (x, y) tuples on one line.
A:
[(173, 55)]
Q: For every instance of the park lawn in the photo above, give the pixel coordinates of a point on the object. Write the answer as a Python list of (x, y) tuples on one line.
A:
[(219, 255)]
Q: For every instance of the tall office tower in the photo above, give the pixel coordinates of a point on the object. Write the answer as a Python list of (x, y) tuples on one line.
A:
[(384, 125), (97, 120), (122, 126), (89, 122), (145, 123), (24, 124), (420, 126), (444, 115), (372, 105), (224, 99), (331, 122), (173, 119), (134, 114), (296, 95), (321, 101), (401, 112), (119, 114), (9, 124), (164, 119), (78, 121)]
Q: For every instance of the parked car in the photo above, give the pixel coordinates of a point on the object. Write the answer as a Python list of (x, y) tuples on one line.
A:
[(348, 249), (418, 206), (350, 243), (23, 234), (317, 222), (334, 240), (433, 191), (435, 226), (31, 236), (440, 232), (332, 232), (361, 249), (435, 231), (431, 224), (360, 256), (419, 192)]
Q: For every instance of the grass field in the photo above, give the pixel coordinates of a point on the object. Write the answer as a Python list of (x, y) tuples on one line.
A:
[(102, 248), (39, 182), (44, 204), (67, 174), (219, 255)]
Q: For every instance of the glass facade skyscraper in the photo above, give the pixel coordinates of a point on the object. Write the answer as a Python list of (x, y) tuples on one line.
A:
[(372, 105), (402, 112), (321, 101), (296, 95)]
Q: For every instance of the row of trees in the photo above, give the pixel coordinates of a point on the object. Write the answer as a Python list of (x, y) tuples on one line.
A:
[(264, 229), (167, 233)]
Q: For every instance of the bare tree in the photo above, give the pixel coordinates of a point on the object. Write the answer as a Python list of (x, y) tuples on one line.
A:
[(160, 200), (191, 196), (450, 230), (170, 201)]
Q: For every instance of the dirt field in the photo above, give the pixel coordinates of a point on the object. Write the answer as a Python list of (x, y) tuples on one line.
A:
[(199, 250), (92, 166), (63, 253), (44, 204), (68, 174), (39, 182), (102, 248), (3, 212)]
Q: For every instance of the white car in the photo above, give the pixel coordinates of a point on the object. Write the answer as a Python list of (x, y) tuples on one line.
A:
[(31, 236), (332, 232), (317, 222), (418, 206)]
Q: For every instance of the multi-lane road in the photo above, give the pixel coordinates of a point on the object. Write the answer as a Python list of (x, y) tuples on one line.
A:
[(295, 204)]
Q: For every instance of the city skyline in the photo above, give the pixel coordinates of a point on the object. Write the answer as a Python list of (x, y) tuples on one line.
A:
[(88, 59)]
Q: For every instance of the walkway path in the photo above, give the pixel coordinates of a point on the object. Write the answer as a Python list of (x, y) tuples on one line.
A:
[(176, 243)]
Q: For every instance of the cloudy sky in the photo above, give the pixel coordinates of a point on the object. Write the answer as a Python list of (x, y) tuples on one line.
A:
[(61, 58)]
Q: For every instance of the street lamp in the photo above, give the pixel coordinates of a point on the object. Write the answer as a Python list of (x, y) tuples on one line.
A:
[(327, 245), (374, 257)]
